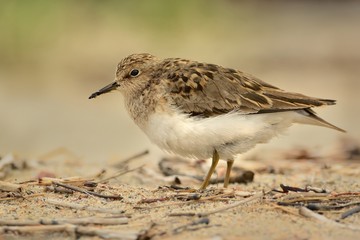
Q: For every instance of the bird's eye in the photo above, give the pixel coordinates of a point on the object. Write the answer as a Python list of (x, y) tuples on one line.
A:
[(134, 72)]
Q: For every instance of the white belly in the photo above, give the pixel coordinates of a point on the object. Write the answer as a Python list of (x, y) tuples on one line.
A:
[(229, 134)]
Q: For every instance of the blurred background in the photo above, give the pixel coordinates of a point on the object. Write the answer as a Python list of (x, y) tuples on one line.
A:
[(54, 54)]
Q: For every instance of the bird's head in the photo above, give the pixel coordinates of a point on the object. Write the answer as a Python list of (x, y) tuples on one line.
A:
[(132, 74)]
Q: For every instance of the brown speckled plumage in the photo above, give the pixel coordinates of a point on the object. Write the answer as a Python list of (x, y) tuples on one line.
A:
[(205, 90), (208, 89)]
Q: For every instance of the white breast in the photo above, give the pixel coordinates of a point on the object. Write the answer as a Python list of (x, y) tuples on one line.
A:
[(230, 134)]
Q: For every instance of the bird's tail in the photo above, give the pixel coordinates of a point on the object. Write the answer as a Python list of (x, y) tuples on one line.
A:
[(312, 119)]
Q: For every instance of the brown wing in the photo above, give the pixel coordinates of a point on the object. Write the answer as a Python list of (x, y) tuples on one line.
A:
[(208, 90)]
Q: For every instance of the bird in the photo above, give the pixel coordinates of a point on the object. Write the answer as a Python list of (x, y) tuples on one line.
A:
[(202, 110)]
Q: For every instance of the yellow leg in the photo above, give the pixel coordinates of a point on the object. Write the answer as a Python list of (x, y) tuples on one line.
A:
[(230, 163), (215, 160)]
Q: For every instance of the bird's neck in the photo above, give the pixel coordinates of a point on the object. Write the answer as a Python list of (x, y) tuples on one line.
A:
[(140, 105)]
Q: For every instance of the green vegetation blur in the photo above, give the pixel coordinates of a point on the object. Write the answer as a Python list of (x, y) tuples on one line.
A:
[(54, 54), (29, 27)]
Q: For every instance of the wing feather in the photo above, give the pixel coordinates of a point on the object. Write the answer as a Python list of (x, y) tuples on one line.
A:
[(208, 90)]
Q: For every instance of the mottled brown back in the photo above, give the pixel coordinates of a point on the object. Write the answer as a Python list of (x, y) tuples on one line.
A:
[(208, 90)]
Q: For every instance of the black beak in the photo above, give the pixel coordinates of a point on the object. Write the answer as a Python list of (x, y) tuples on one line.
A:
[(108, 88)]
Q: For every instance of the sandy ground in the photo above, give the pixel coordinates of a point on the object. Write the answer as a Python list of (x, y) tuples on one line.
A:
[(147, 205)]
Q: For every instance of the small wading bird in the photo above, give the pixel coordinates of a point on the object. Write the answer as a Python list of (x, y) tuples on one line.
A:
[(204, 110)]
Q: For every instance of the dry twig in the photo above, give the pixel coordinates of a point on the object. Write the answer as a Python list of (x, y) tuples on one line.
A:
[(286, 189), (74, 181), (204, 220), (73, 230), (126, 161), (350, 212), (120, 173), (20, 196), (152, 200), (82, 207), (234, 205), (75, 221), (188, 201), (297, 199), (310, 214), (318, 207), (9, 187), (77, 189), (58, 190), (182, 214)]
